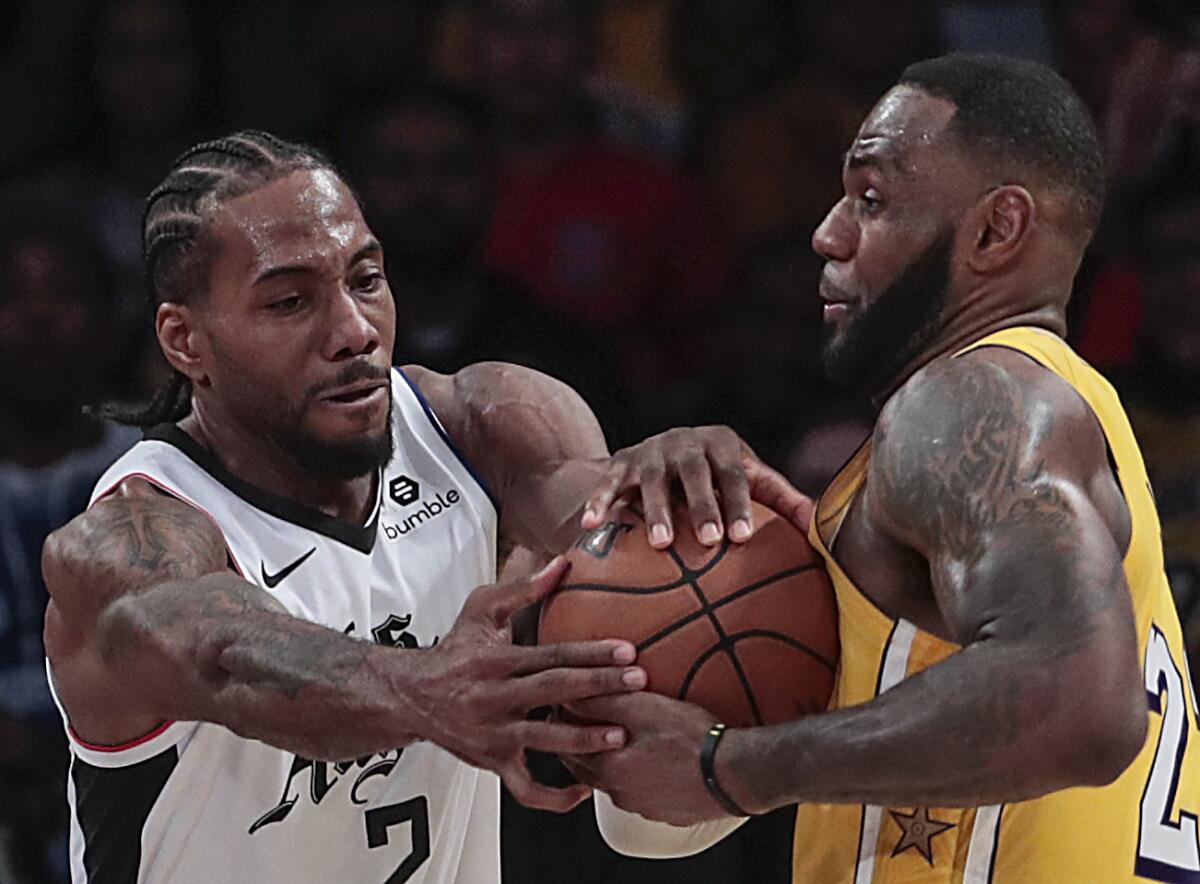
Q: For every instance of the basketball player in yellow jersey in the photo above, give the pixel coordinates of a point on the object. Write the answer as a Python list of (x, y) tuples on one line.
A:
[(1013, 704)]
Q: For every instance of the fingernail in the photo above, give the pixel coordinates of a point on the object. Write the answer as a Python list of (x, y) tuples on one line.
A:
[(740, 530), (660, 534), (590, 516), (634, 677), (710, 532), (615, 737), (624, 653)]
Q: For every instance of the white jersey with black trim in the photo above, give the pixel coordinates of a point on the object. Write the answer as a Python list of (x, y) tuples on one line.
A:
[(192, 803)]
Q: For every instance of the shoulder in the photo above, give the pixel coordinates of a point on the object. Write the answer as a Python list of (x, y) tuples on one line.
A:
[(969, 435), (483, 387), (991, 394), (134, 536), (507, 417)]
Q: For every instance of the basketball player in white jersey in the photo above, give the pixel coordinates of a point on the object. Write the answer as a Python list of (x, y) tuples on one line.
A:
[(263, 632)]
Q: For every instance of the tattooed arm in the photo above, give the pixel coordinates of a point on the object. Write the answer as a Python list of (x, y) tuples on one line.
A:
[(146, 623), (995, 473)]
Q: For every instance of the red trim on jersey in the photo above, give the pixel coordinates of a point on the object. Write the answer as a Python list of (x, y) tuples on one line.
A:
[(120, 747), (170, 491)]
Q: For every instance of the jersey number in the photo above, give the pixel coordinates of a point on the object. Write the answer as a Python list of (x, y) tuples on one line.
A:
[(1167, 851), (380, 819)]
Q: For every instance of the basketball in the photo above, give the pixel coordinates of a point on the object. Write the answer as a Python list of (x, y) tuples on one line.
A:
[(747, 631)]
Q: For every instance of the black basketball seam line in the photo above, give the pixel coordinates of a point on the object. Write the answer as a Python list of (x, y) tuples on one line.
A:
[(651, 590), (738, 636), (787, 640), (716, 622), (732, 597), (686, 575)]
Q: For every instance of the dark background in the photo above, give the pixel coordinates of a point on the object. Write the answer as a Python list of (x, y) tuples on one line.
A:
[(620, 193)]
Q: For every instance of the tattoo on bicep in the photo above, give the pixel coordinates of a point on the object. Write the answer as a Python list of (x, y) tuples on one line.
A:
[(144, 537), (978, 476)]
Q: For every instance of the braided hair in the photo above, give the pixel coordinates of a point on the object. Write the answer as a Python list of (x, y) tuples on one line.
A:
[(176, 247)]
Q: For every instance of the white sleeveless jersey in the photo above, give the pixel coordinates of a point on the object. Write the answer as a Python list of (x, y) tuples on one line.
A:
[(192, 803)]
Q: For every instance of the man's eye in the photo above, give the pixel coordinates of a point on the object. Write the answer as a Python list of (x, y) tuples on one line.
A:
[(870, 200), (370, 282), (283, 305)]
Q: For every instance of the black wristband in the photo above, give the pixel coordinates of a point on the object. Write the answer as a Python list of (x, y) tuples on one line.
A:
[(708, 771)]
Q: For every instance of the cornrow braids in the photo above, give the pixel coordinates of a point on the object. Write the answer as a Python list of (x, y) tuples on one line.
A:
[(175, 246)]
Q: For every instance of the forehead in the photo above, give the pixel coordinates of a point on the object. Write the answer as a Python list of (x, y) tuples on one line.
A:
[(905, 133), (305, 217)]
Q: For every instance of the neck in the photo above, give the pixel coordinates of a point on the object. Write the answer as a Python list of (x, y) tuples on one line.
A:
[(971, 324), (259, 461)]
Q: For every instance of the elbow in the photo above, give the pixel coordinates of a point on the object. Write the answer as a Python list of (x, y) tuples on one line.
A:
[(1109, 742)]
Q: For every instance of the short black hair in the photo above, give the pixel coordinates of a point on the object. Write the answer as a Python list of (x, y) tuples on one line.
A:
[(1024, 117), (176, 251)]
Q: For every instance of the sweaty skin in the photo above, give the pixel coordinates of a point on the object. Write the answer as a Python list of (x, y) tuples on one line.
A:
[(990, 517)]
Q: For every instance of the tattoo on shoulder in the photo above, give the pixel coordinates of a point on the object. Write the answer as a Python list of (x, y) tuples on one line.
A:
[(974, 466), (160, 538)]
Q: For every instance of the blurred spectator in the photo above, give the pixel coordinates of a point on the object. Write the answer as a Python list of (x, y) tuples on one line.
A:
[(638, 102), (421, 168), (149, 87), (771, 159), (1151, 125), (56, 346), (361, 51), (1006, 27), (1091, 38), (1162, 389), (600, 235)]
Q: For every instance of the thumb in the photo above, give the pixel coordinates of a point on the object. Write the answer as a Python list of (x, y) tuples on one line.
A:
[(772, 490), (512, 597)]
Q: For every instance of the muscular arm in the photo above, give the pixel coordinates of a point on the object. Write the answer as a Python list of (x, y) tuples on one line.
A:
[(533, 438), (996, 474), (147, 623)]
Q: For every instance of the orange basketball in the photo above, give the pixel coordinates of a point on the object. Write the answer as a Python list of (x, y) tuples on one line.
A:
[(748, 631)]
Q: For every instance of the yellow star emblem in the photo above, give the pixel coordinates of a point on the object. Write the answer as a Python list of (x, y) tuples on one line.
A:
[(918, 832)]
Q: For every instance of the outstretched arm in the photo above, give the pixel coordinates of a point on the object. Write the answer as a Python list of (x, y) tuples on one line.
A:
[(146, 623), (997, 476), (541, 449)]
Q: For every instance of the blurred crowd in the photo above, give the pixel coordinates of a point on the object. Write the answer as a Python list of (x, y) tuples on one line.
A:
[(618, 192)]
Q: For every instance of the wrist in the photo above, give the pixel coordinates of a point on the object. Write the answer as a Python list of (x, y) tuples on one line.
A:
[(411, 683), (712, 779), (729, 768)]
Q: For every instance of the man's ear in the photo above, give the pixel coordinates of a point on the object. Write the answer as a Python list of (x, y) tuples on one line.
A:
[(180, 340), (1004, 219)]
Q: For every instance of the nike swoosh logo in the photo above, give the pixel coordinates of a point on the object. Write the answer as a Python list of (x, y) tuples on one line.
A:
[(273, 580)]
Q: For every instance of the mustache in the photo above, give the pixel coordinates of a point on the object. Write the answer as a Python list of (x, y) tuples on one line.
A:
[(352, 374)]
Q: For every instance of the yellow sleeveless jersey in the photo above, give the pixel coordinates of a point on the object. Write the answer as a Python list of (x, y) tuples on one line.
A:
[(1142, 827)]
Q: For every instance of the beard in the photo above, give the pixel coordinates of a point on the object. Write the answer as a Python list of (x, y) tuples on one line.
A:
[(886, 335), (338, 459), (341, 460)]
